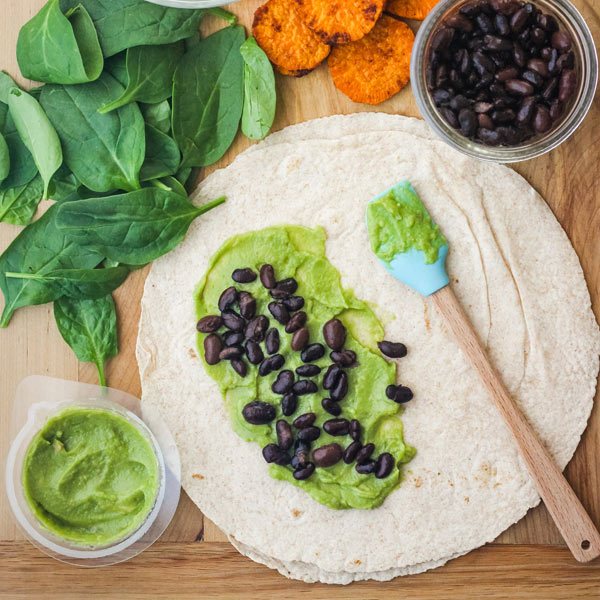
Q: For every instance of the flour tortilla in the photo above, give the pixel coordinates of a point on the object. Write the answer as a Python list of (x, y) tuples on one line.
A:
[(514, 271)]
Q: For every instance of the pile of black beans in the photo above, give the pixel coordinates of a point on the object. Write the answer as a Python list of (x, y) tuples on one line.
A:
[(242, 336), (501, 71)]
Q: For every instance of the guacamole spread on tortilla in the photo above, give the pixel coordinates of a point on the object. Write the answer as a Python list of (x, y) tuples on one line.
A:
[(299, 252), (90, 476)]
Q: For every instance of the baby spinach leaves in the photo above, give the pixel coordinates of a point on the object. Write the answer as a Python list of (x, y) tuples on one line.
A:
[(259, 91), (158, 115), (208, 97), (18, 204), (22, 166), (4, 159), (132, 228), (39, 248), (37, 133), (90, 329), (162, 155), (104, 152), (149, 74), (58, 48), (123, 24)]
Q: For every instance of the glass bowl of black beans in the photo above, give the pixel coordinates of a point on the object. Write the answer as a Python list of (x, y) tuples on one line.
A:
[(504, 80)]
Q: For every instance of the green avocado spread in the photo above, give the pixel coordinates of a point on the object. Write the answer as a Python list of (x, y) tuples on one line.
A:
[(299, 252), (90, 476), (398, 221)]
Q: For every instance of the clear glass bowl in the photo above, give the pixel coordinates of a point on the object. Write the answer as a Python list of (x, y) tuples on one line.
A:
[(36, 400), (192, 3), (586, 60)]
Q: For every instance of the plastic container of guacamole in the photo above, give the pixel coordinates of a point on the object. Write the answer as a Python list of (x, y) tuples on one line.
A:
[(92, 477)]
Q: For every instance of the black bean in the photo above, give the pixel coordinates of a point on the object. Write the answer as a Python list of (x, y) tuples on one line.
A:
[(556, 109), (484, 23), (541, 119), (392, 349), (299, 461), (273, 454), (231, 352), (254, 352), (507, 73), (233, 321), (533, 78), (565, 61), (341, 388), (284, 382), (308, 370), (501, 25), (332, 407), (430, 76), (519, 20), (280, 312), (272, 342), (240, 367), (334, 334), (268, 365), (550, 90), (305, 386), (468, 122), (546, 53), (538, 65), (233, 339), (459, 101), (538, 36), (519, 87), (398, 393), (455, 79), (511, 135), (442, 78), (256, 328), (212, 348), (561, 40), (209, 324), (285, 439), (365, 453), (336, 426), (258, 412), (327, 456), (354, 430), (296, 322), (288, 404), (482, 107), (366, 468), (519, 55), (267, 276), (546, 22), (505, 115), (485, 122), (351, 451), (284, 288), (384, 465), (504, 7), (489, 136), (345, 359), (442, 38), (243, 275), (526, 111), (293, 303), (309, 434), (471, 9), (497, 43), (458, 21), (227, 298), (305, 420), (482, 63), (449, 116), (300, 339), (567, 85), (312, 352), (305, 472), (247, 304), (331, 377), (466, 64)]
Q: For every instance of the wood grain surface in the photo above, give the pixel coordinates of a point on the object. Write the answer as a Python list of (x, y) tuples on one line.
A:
[(192, 559)]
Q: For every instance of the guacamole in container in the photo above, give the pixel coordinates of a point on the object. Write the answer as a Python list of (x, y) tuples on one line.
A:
[(90, 476)]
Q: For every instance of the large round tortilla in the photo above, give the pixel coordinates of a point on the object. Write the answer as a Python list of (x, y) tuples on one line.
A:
[(515, 272)]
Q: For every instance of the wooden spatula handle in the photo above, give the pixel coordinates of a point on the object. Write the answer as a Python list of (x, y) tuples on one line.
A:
[(575, 525)]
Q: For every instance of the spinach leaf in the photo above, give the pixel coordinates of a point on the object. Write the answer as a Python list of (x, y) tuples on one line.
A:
[(78, 283), (22, 166), (37, 133), (158, 115), (64, 185), (56, 48), (169, 184), (221, 13), (123, 24), (117, 66), (18, 205), (162, 155), (132, 228), (39, 248), (7, 83), (104, 152), (90, 328), (149, 74), (4, 159), (260, 97), (208, 97)]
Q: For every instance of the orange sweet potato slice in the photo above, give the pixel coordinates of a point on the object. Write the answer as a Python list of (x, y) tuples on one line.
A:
[(410, 9), (375, 67), (340, 21), (285, 38)]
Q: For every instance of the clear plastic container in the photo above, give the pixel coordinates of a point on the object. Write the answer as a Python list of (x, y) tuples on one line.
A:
[(38, 398), (586, 60), (192, 3)]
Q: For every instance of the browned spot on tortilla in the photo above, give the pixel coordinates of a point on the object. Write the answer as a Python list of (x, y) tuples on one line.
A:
[(357, 562), (418, 482), (467, 500), (192, 353), (197, 476), (297, 512), (426, 316)]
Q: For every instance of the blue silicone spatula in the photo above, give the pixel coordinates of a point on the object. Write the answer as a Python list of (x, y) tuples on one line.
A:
[(421, 265)]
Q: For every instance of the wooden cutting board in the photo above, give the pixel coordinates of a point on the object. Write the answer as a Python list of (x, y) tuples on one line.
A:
[(193, 558)]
